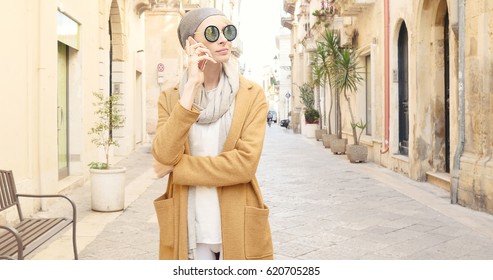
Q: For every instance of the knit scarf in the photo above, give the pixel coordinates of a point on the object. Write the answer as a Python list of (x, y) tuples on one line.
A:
[(215, 103)]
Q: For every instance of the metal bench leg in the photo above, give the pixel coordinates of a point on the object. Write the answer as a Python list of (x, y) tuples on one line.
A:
[(76, 256)]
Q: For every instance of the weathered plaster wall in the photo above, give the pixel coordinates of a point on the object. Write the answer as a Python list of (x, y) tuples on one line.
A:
[(476, 176)]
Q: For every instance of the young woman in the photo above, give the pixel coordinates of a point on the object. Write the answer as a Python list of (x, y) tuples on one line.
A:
[(211, 130)]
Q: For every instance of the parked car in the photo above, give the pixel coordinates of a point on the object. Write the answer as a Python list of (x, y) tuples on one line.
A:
[(284, 123)]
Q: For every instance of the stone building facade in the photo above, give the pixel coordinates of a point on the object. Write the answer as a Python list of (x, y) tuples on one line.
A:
[(426, 93)]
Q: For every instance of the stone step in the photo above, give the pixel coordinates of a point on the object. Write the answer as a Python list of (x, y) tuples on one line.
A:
[(439, 179)]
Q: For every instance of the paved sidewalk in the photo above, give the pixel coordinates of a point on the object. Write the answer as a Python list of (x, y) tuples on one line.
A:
[(94, 227), (322, 207)]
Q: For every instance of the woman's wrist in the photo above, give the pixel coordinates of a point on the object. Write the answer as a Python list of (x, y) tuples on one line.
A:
[(189, 91)]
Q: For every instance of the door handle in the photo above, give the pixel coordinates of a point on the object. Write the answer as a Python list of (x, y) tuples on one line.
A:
[(60, 120)]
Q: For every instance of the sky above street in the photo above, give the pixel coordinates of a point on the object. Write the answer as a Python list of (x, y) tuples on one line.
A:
[(260, 22)]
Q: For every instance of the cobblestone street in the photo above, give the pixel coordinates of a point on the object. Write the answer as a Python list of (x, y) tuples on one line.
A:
[(324, 207)]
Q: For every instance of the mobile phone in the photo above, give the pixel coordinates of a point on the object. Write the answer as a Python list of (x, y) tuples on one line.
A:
[(202, 63)]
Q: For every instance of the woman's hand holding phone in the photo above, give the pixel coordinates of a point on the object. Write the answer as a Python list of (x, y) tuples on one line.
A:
[(201, 51), (198, 56)]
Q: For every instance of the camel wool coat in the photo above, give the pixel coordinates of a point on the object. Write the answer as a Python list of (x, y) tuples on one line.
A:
[(245, 226)]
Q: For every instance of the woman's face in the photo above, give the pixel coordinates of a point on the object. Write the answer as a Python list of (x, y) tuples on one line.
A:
[(220, 49)]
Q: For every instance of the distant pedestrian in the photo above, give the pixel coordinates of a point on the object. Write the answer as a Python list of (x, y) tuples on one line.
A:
[(211, 130)]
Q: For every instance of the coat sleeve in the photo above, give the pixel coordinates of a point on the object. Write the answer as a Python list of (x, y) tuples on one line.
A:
[(236, 166), (174, 122)]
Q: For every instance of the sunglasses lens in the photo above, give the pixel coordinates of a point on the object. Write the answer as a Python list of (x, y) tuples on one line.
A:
[(211, 33), (229, 32)]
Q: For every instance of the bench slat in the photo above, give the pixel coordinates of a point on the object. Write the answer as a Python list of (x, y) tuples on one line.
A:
[(32, 228), (34, 232)]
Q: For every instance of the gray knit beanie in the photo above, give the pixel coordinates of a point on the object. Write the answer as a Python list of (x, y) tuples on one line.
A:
[(191, 21)]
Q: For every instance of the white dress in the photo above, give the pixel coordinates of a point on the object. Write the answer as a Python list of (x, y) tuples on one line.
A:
[(204, 141)]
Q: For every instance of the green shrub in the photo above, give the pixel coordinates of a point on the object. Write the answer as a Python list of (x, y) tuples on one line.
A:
[(311, 115)]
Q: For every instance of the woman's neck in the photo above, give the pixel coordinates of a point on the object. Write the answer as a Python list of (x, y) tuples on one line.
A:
[(212, 75)]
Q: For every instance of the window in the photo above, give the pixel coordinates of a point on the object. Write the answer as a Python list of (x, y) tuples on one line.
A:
[(67, 31)]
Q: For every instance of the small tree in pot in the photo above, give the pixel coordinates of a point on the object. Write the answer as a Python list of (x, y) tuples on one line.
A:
[(347, 77), (107, 182), (318, 82), (326, 55), (357, 152), (109, 117)]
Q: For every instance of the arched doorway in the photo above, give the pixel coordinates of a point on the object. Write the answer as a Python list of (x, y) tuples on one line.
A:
[(403, 77), (446, 58)]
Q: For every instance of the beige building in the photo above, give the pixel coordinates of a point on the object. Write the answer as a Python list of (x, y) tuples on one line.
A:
[(284, 74), (426, 94), (55, 54)]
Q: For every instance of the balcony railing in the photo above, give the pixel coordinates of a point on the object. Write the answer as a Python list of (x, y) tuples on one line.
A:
[(287, 22), (290, 6)]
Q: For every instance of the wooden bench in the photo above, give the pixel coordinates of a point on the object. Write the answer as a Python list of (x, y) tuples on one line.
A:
[(19, 240)]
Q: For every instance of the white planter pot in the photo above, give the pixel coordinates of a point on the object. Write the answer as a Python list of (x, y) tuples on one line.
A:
[(108, 189), (309, 129)]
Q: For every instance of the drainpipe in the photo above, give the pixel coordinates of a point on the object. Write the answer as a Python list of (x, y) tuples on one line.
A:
[(385, 147), (460, 147)]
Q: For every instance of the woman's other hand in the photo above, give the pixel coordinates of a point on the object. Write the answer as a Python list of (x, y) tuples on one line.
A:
[(161, 170)]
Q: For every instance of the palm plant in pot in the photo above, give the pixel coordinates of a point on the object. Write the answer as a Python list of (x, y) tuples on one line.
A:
[(347, 78), (318, 82), (326, 54), (107, 182)]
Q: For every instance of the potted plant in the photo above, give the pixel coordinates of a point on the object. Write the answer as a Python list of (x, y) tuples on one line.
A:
[(321, 16), (326, 53), (325, 13), (312, 116), (318, 81), (107, 182), (347, 77), (357, 152)]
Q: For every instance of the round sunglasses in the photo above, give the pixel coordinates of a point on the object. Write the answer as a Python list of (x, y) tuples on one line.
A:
[(211, 33)]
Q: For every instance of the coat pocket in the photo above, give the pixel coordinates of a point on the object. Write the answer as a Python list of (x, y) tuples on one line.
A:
[(258, 239), (165, 216)]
